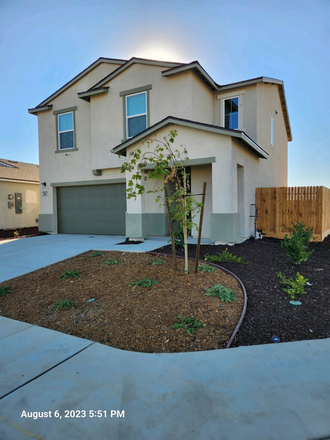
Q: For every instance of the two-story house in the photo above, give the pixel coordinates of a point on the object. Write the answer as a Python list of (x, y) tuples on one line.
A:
[(236, 136)]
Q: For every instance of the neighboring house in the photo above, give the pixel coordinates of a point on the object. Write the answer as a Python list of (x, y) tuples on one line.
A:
[(19, 194), (236, 136)]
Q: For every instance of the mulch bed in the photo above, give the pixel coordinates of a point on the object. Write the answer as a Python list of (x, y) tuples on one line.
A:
[(269, 311), (127, 316)]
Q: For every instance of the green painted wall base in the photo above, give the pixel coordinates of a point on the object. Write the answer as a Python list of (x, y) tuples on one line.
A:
[(225, 227), (142, 225), (46, 222)]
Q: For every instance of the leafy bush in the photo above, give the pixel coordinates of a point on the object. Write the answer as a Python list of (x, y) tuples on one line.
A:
[(224, 293), (111, 262), (190, 324), (206, 268), (294, 286), (95, 254), (4, 290), (145, 282), (296, 245), (225, 257), (68, 274), (65, 305), (157, 262)]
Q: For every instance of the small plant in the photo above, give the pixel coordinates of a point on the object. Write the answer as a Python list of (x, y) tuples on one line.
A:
[(296, 246), (190, 324), (157, 262), (65, 305), (95, 254), (206, 268), (225, 257), (68, 274), (145, 282), (111, 262), (16, 234), (4, 290), (224, 293), (295, 286)]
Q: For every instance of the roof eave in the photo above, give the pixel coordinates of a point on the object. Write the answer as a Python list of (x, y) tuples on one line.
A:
[(197, 69), (87, 95), (36, 110)]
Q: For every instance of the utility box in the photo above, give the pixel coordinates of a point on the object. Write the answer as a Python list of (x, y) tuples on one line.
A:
[(18, 203)]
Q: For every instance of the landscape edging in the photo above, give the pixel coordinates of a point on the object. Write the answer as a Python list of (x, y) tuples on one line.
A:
[(229, 273)]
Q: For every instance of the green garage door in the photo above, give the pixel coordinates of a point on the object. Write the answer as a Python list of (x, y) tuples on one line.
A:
[(93, 209)]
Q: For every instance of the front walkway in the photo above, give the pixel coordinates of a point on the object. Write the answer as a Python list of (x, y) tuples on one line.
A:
[(55, 386)]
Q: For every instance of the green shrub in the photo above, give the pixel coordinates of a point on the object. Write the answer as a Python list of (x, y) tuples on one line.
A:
[(224, 293), (145, 282), (68, 274), (111, 262), (190, 324), (65, 305), (225, 257), (206, 268), (296, 245), (4, 290), (157, 262), (95, 254), (295, 286)]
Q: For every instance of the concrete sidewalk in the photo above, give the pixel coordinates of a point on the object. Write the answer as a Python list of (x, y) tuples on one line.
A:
[(56, 386)]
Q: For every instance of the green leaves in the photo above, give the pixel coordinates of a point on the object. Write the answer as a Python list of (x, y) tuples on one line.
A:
[(296, 246), (190, 324), (222, 292)]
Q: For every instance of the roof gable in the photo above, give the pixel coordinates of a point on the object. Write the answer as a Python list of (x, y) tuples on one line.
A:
[(170, 120), (129, 63), (44, 104)]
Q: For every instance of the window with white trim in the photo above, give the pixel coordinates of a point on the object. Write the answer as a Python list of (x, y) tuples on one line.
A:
[(231, 113), (136, 113), (65, 123)]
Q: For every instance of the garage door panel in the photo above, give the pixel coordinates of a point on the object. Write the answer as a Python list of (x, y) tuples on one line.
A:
[(95, 209)]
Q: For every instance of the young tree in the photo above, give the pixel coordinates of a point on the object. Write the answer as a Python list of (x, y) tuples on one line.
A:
[(167, 165)]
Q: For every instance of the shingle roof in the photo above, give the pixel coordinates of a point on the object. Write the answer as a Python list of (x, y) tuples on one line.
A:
[(12, 170)]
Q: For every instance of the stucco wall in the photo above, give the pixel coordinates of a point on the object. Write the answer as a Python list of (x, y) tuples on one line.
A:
[(30, 204), (275, 169)]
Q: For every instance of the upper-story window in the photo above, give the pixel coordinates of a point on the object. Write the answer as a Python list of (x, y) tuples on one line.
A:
[(136, 114), (65, 131), (66, 139), (231, 113)]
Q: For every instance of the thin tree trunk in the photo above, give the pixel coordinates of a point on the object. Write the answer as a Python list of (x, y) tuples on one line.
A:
[(200, 228), (171, 229), (185, 234)]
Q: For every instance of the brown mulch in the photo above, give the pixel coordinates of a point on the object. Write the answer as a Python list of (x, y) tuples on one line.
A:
[(123, 316), (269, 312)]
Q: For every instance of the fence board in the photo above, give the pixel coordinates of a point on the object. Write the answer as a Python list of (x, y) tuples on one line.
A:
[(278, 208)]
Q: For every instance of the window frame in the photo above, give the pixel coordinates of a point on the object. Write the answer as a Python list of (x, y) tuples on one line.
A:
[(138, 114), (131, 92), (224, 111), (59, 113)]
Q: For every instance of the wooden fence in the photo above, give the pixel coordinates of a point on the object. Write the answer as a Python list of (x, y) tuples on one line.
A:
[(278, 208)]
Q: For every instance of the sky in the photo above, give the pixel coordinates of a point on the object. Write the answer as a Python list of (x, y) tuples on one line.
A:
[(45, 43)]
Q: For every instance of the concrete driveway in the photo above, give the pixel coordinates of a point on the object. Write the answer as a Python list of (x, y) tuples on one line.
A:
[(55, 386), (18, 257)]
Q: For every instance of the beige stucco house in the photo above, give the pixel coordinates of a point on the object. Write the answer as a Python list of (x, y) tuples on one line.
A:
[(236, 136), (19, 194)]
